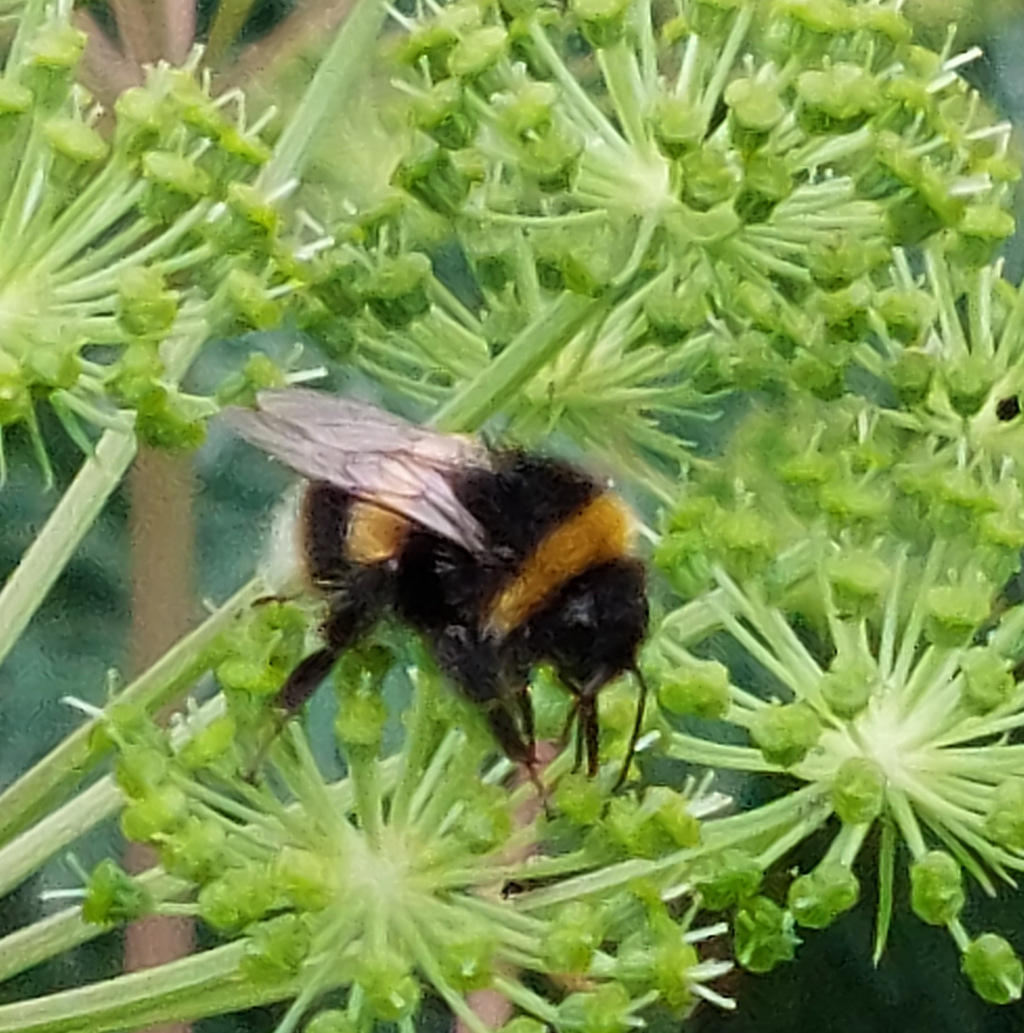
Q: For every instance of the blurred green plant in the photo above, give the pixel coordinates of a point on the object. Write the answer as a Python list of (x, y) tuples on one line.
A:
[(663, 216)]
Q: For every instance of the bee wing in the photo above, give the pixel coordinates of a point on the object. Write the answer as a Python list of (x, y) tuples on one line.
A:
[(370, 453)]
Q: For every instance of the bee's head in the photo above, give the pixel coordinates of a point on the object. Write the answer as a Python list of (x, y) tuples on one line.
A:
[(591, 633)]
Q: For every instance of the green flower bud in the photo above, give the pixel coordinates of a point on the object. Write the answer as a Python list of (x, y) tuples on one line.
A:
[(331, 1020), (672, 812), (956, 612), (838, 99), (391, 990), (995, 971), (677, 125), (14, 99), (604, 1010), (733, 877), (758, 366), (142, 116), (444, 114), (527, 111), (579, 799), (176, 184), (911, 377), (766, 182), (1004, 530), (76, 141), (53, 55), (478, 52), (756, 109), (981, 233), (763, 935), (808, 468), (237, 898), (1004, 823), (468, 962), (339, 282), (603, 21), (145, 307), (987, 681), (304, 878), (858, 792), (846, 317), (249, 302), (165, 419), (838, 263), (360, 722), (818, 899), (551, 157), (829, 17), (674, 311), (523, 1024), (248, 224), (908, 313), (785, 733), (859, 581), (674, 959), (659, 823), (583, 263), (432, 177), (885, 22), (747, 541), (486, 823), (249, 150), (275, 949), (253, 676), (573, 937), (195, 851), (136, 373), (113, 896), (157, 812), (849, 685), (709, 177), (210, 746), (700, 688), (936, 888), (968, 382), (397, 293), (140, 769)]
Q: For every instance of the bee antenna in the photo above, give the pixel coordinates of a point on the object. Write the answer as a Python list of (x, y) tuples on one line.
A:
[(641, 706)]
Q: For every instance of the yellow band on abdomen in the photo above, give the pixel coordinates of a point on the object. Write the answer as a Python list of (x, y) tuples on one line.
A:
[(598, 533)]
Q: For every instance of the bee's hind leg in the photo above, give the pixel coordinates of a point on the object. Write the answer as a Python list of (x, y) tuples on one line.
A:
[(343, 626)]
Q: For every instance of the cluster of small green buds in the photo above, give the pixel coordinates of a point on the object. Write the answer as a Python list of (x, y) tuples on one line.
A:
[(726, 201), (391, 874), (122, 250), (893, 709)]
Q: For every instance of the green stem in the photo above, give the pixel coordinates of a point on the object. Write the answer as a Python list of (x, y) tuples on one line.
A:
[(47, 556), (618, 64), (532, 348), (715, 754), (61, 932), (191, 988), (335, 78), (37, 790)]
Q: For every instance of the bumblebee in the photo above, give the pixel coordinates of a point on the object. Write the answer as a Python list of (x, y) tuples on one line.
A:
[(499, 559)]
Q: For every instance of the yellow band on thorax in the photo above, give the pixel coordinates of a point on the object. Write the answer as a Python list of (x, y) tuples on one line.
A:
[(598, 533)]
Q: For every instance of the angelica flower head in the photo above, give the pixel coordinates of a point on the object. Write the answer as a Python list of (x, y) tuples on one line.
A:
[(417, 872), (872, 655)]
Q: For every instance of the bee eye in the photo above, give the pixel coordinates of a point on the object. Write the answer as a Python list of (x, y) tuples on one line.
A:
[(1008, 408)]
